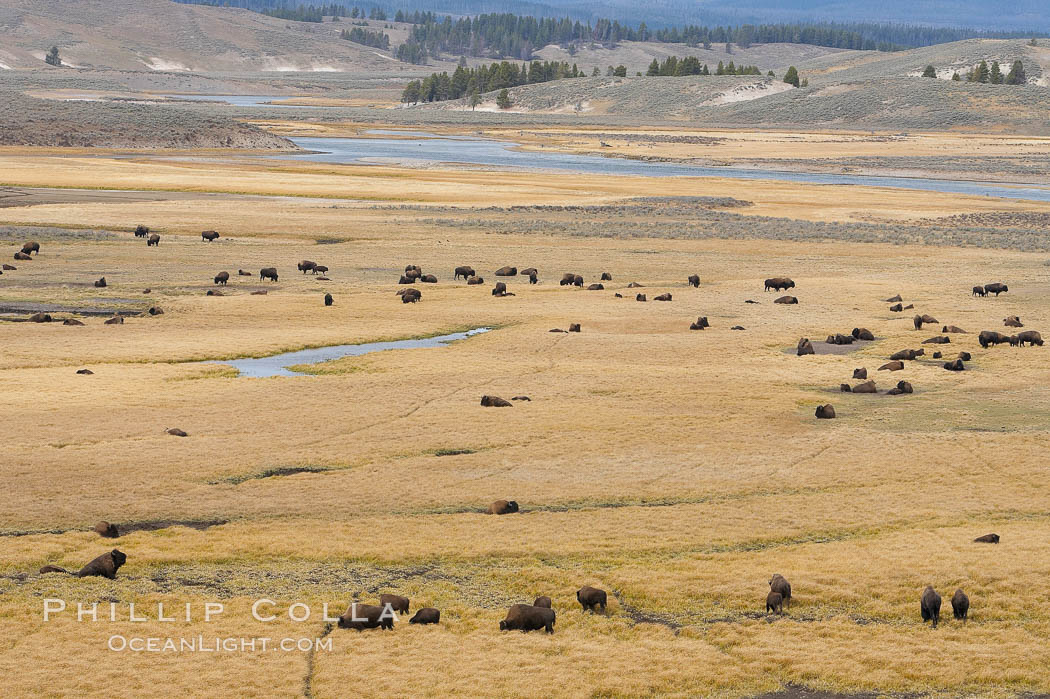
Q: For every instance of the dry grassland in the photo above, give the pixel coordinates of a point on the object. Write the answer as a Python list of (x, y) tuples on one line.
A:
[(675, 469)]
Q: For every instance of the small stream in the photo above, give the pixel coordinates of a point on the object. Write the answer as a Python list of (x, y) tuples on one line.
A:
[(277, 364)]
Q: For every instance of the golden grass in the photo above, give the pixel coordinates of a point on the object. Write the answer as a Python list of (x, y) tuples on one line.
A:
[(675, 469)]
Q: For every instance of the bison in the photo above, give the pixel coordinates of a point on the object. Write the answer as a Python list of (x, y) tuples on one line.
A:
[(542, 601), (996, 288), (778, 583), (503, 507), (805, 347), (965, 356), (40, 318), (141, 231), (526, 617), (22, 256), (908, 354), (840, 339), (396, 602), (208, 236), (426, 615), (787, 300), (153, 240), (774, 603), (826, 412), (952, 329), (897, 308), (428, 279), (328, 300), (475, 280), (694, 281), (567, 279), (861, 373), (100, 283), (31, 247), (465, 271), (955, 365), (987, 539), (268, 273), (507, 272), (367, 616), (938, 340), (1013, 322), (413, 271), (222, 278), (574, 327), (500, 289), (960, 605), (866, 387), (1031, 337), (591, 597), (902, 388), (596, 287), (896, 365), (662, 297), (779, 284), (412, 295), (406, 280), (640, 297), (700, 324), (979, 291), (894, 299), (991, 337), (606, 277), (105, 566), (930, 606), (863, 334), (243, 273), (307, 266), (494, 402), (107, 530)]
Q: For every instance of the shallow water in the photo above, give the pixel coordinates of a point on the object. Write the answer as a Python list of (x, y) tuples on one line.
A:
[(435, 149), (277, 364)]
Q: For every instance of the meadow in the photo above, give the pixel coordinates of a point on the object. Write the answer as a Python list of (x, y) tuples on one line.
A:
[(677, 470)]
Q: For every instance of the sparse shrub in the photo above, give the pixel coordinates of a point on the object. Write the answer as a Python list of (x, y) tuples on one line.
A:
[(791, 76), (52, 58), (930, 72)]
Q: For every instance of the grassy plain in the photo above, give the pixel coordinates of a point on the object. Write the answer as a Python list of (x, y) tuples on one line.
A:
[(675, 469)]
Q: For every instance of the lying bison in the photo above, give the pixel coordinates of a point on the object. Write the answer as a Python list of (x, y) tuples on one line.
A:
[(955, 365), (996, 288), (574, 327), (40, 318), (902, 388), (930, 606), (840, 339), (503, 507), (500, 289), (805, 347), (412, 295), (606, 277), (243, 273), (779, 284), (897, 308), (908, 354), (475, 280), (987, 539), (866, 387), (100, 283), (413, 271), (507, 272), (22, 256), (788, 300), (591, 597), (938, 340), (640, 297), (367, 616), (861, 373), (494, 402), (428, 279), (107, 530), (596, 287), (952, 329), (1013, 322), (895, 365), (526, 617), (208, 236), (863, 334), (894, 299), (700, 324), (662, 297), (268, 273), (826, 412), (465, 271)]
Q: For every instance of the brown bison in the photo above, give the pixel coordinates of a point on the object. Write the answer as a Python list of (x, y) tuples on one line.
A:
[(1013, 322), (805, 347), (9, 268), (155, 311), (328, 300), (788, 300), (413, 271), (700, 324), (930, 606), (965, 356), (1031, 337), (895, 365), (71, 321), (465, 271), (596, 287), (85, 372), (105, 566), (503, 507), (991, 337), (153, 240), (567, 279), (996, 288), (494, 402), (952, 329), (222, 278), (863, 334), (955, 365), (507, 272), (908, 354), (542, 601), (902, 388), (662, 297), (412, 295), (897, 308), (574, 327), (844, 388), (176, 432), (526, 617), (31, 247), (428, 279), (100, 283), (987, 539), (500, 289), (861, 373), (866, 387), (938, 340), (606, 277), (475, 280), (406, 280), (640, 297), (208, 236), (141, 231), (107, 530), (533, 279), (894, 299), (268, 273), (774, 603), (529, 272), (840, 339), (979, 291), (244, 273), (396, 602), (778, 583), (591, 597), (779, 284), (937, 355), (22, 256), (635, 285), (426, 615), (694, 281), (40, 318), (826, 412), (307, 266), (367, 616), (320, 269), (115, 320), (960, 605)]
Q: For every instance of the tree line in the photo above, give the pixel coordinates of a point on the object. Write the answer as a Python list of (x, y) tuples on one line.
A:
[(467, 81), (690, 65), (983, 73), (378, 40)]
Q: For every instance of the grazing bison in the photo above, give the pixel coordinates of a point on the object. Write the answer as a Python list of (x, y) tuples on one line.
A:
[(840, 339), (774, 603), (494, 402), (996, 288), (805, 347), (596, 287), (591, 597), (40, 318), (411, 295), (960, 605), (788, 300), (31, 247), (930, 606), (700, 324), (908, 354), (107, 530), (208, 236), (694, 281), (902, 388), (779, 284), (640, 297), (1031, 337), (141, 231), (956, 365), (866, 387), (428, 279), (396, 602), (465, 271), (101, 283), (979, 291), (991, 337), (268, 273), (895, 365), (861, 373), (567, 279), (606, 277), (328, 300), (507, 272), (526, 617), (153, 240), (987, 539), (244, 273), (574, 327), (105, 566), (222, 278), (542, 601), (475, 280), (426, 615), (662, 297), (894, 299), (952, 329), (115, 320), (778, 583), (1013, 322), (307, 266), (826, 412), (22, 256), (897, 308), (863, 334), (503, 507), (500, 289), (938, 340), (366, 616)]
